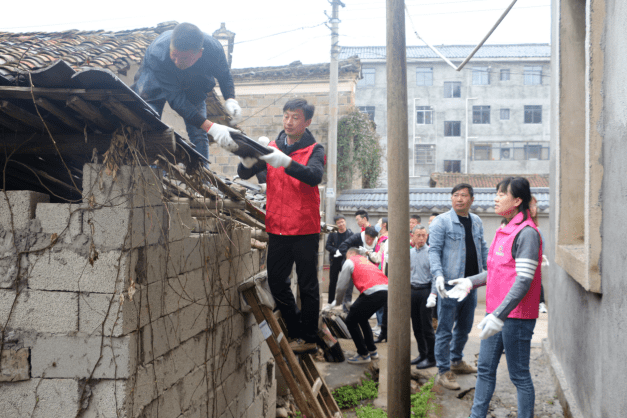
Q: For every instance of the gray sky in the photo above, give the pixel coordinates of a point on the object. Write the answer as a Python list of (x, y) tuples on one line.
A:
[(362, 23)]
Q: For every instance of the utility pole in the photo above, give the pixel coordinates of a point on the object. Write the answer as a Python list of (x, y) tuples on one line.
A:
[(399, 301), (331, 189)]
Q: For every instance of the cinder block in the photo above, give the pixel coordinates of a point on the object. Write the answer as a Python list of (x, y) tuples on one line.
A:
[(54, 312), (40, 398), (177, 363), (120, 318), (149, 263), (183, 290), (117, 228), (240, 241), (160, 337), (191, 253), (193, 319), (15, 365), (145, 388), (106, 395), (179, 222), (78, 356), (193, 391), (65, 220), (133, 186), (23, 204), (70, 271)]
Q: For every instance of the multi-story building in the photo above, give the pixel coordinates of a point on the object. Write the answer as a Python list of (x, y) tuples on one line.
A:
[(490, 117)]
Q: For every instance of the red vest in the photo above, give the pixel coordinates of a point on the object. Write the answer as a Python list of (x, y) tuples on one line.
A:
[(292, 207), (502, 272), (366, 274)]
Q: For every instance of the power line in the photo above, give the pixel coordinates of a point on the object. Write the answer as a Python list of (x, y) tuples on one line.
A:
[(280, 33)]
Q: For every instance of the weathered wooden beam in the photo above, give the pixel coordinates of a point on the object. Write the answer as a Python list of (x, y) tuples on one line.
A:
[(63, 94), (201, 203), (61, 114), (43, 175), (24, 116), (10, 123), (124, 113), (90, 112), (180, 175), (259, 235)]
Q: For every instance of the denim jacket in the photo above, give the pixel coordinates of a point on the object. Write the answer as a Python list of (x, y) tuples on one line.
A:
[(447, 245)]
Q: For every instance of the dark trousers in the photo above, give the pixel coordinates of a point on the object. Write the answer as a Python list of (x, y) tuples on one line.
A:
[(357, 319), (421, 322), (283, 252)]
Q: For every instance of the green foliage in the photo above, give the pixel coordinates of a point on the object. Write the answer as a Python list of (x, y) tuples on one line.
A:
[(348, 396), (423, 402), (358, 150), (368, 411)]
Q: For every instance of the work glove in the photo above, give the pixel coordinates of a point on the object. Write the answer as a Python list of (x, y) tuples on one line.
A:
[(363, 250), (337, 254), (545, 261), (462, 288), (264, 188), (439, 285), (489, 326), (263, 140), (431, 300), (277, 159), (234, 110), (248, 162), (329, 307), (222, 136)]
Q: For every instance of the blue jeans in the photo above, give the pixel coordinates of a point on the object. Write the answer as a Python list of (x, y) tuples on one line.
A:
[(197, 136), (449, 341), (515, 339)]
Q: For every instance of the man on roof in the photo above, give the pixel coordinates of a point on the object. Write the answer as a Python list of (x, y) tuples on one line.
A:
[(180, 67)]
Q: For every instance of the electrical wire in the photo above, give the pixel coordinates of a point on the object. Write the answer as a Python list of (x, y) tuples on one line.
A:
[(280, 33)]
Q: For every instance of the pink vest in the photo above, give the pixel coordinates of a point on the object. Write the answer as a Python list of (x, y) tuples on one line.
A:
[(502, 272), (366, 274), (377, 248)]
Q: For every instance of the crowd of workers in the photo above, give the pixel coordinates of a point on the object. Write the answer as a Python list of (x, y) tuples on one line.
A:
[(448, 262)]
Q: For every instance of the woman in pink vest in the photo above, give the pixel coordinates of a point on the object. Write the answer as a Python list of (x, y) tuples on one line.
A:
[(512, 296)]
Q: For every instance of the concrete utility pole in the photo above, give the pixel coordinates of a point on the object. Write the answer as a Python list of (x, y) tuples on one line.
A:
[(332, 141), (399, 301)]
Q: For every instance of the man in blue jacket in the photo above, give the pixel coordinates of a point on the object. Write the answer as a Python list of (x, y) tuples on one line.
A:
[(180, 67)]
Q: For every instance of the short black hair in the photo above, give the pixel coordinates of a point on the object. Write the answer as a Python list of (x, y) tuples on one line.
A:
[(434, 214), (338, 217), (385, 221), (416, 217), (461, 186), (187, 37), (294, 104), (371, 232), (362, 213)]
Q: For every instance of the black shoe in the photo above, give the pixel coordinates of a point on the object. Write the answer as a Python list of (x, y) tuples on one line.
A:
[(417, 360), (381, 338), (425, 364)]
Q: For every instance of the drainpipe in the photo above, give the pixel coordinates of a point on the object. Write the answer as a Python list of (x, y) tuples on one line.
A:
[(467, 137)]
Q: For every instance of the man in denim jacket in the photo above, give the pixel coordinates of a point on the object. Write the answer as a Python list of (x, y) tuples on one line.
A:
[(457, 249)]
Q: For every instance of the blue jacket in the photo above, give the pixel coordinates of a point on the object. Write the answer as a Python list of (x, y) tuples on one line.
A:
[(159, 79), (447, 245)]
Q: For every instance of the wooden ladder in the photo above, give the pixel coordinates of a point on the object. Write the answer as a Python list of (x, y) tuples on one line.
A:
[(312, 395)]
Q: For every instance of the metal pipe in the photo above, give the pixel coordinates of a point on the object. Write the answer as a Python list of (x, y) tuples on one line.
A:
[(466, 152)]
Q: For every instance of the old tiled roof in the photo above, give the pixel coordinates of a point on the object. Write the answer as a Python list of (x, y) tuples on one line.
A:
[(484, 180), (540, 51), (350, 66), (426, 199)]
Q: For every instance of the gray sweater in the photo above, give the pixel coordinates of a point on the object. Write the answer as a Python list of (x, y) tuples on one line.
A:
[(420, 269)]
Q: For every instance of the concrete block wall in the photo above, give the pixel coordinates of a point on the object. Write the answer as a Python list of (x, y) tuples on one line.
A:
[(114, 308)]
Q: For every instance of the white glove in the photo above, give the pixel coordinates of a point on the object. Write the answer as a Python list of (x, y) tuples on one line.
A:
[(545, 261), (462, 288), (363, 251), (277, 159), (329, 306), (263, 140), (431, 300), (439, 285), (234, 110), (264, 188), (221, 135), (489, 326), (248, 162), (337, 253)]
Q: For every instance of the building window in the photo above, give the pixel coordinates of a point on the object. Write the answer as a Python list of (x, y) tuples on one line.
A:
[(481, 114), (504, 114), (424, 115), (533, 114), (424, 76), (480, 76), (533, 75), (424, 154), (533, 152), (505, 75), (452, 166), (482, 152), (452, 89), (369, 110), (452, 128), (368, 79)]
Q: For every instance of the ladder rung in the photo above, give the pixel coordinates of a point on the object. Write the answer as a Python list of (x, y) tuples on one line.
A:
[(316, 387)]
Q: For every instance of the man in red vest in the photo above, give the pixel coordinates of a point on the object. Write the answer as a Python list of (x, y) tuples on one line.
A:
[(373, 288), (294, 170)]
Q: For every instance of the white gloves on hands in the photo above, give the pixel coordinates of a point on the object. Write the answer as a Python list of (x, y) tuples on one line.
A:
[(337, 253), (439, 285), (264, 188), (277, 159), (248, 162), (431, 300), (489, 326), (462, 288), (263, 140), (234, 110), (329, 306), (222, 136), (545, 261)]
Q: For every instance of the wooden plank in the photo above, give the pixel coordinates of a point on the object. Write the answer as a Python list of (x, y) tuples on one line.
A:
[(90, 112), (64, 116), (316, 387), (42, 174), (248, 220), (11, 123), (201, 203), (11, 92), (180, 175), (24, 116), (124, 113), (329, 400)]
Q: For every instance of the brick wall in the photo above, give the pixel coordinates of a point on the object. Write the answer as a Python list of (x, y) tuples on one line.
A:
[(114, 308)]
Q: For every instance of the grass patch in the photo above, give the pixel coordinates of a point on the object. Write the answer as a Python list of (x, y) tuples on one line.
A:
[(422, 403), (348, 396)]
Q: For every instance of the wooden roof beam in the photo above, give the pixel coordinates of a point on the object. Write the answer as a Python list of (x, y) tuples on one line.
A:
[(61, 114), (90, 112), (25, 117), (124, 113)]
